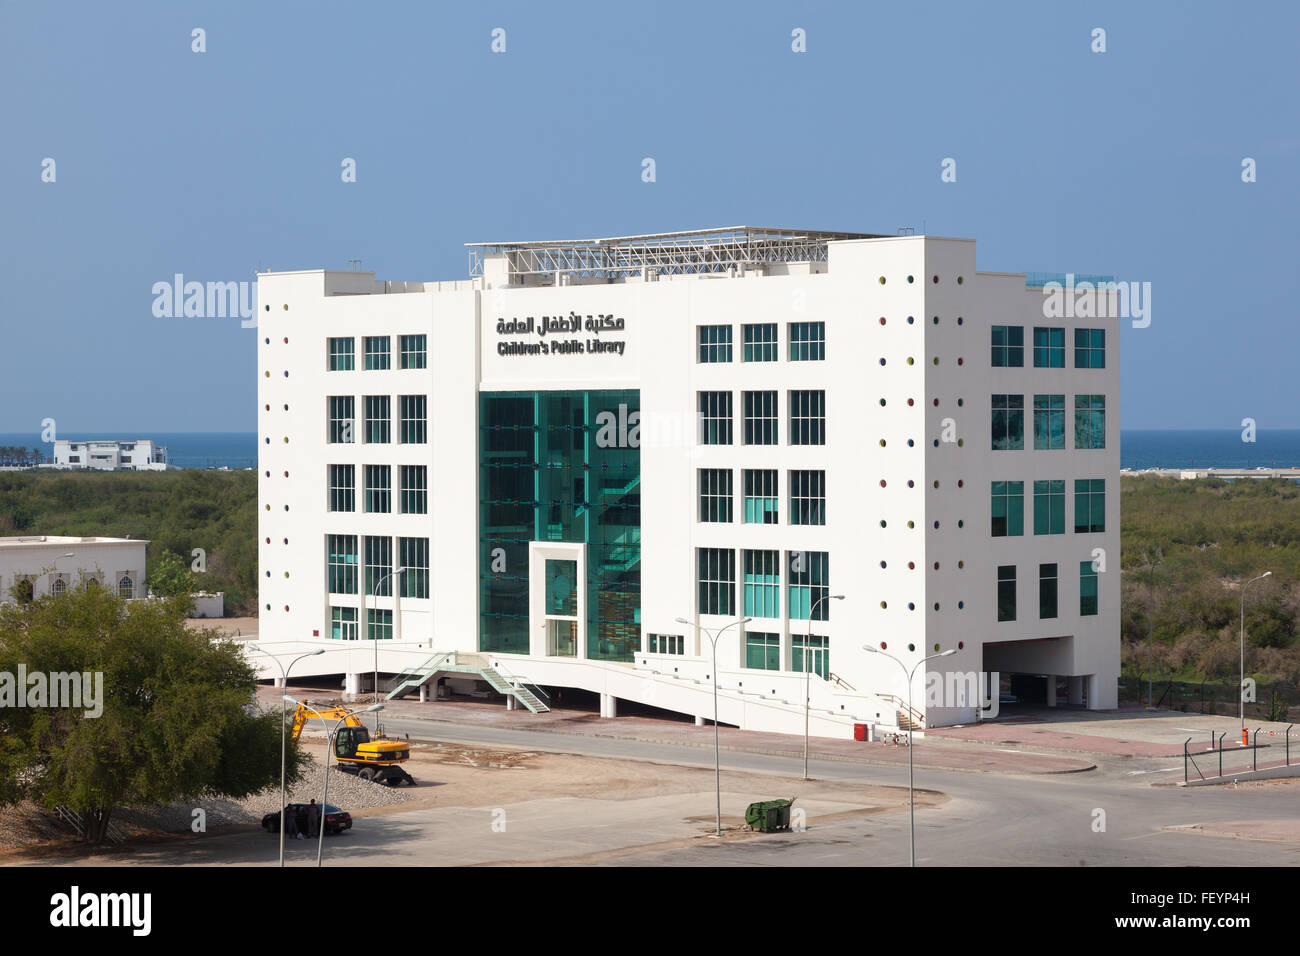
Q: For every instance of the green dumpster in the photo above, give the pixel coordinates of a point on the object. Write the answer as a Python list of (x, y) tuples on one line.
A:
[(769, 815)]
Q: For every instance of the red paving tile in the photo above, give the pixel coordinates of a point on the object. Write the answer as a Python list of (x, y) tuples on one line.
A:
[(1003, 732)]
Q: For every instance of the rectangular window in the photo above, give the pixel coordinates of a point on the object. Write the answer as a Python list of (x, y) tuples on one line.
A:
[(1006, 592), (760, 418), (1049, 507), (1089, 505), (807, 341), (415, 351), (414, 411), (820, 656), (762, 584), (1090, 421), (343, 488), (379, 565), (760, 496), (413, 554), (1008, 346), (1049, 421), (342, 410), (759, 342), (1089, 348), (1046, 590), (343, 623), (716, 579), (715, 494), (378, 352), (666, 643), (809, 579), (808, 497), (715, 343), (379, 489), (1008, 508), (342, 563), (1087, 589), (1049, 348), (763, 650), (1008, 422), (342, 355), (378, 414), (808, 417), (415, 489), (381, 625), (715, 418)]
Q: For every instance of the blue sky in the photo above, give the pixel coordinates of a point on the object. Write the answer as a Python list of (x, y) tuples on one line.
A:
[(212, 164)]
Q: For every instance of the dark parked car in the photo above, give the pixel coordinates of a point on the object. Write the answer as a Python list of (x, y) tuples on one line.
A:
[(336, 820)]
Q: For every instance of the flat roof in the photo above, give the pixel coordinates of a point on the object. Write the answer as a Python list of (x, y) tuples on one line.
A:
[(30, 541)]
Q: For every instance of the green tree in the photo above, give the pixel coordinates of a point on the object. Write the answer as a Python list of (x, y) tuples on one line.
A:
[(178, 720), (170, 576)]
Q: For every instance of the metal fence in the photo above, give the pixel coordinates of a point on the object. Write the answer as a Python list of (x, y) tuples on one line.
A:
[(1278, 701)]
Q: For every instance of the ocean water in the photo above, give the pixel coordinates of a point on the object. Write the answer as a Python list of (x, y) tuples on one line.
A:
[(184, 449), (1202, 448)]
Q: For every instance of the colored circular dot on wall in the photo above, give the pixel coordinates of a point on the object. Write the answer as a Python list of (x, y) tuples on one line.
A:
[(883, 604), (268, 540), (882, 482), (286, 507), (936, 403), (911, 483), (936, 565), (910, 443), (286, 540), (268, 408), (882, 280), (960, 605), (882, 403), (936, 360), (286, 607), (910, 360), (911, 647), (909, 279), (911, 565), (910, 524), (267, 374), (882, 522), (286, 474), (882, 564), (268, 474), (936, 320), (268, 607), (910, 320), (936, 482), (286, 574), (286, 408), (961, 645), (960, 360), (936, 605), (286, 340), (286, 308), (882, 320), (961, 564), (268, 574), (936, 443), (268, 309), (936, 524), (882, 361), (910, 403), (268, 439), (936, 648), (959, 280), (936, 280), (286, 439), (911, 605), (961, 402), (961, 523), (961, 483), (884, 646), (959, 320), (961, 442), (286, 373), (882, 443)]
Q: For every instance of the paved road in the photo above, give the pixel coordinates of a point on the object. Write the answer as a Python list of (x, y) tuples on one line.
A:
[(990, 819)]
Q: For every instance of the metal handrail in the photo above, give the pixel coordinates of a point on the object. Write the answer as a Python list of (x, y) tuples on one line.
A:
[(516, 681), (901, 704)]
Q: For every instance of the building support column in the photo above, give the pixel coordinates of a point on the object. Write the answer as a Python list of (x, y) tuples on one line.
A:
[(608, 705), (512, 702), (1051, 690), (424, 693), (352, 684), (699, 721), (1076, 691)]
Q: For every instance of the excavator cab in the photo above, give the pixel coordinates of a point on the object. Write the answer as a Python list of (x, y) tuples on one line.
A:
[(348, 741)]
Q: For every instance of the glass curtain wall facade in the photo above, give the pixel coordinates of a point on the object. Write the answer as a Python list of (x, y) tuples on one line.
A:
[(560, 466)]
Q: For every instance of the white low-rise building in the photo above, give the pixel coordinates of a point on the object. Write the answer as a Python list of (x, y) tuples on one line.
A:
[(140, 455), (595, 459), (36, 565)]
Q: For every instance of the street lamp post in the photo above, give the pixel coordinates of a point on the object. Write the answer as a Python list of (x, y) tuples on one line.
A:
[(1241, 687), (325, 789), (911, 789), (717, 748), (284, 683), (807, 669), (397, 622)]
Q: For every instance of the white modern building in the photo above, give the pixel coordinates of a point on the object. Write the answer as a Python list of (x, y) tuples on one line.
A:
[(140, 455), (587, 443), (36, 565)]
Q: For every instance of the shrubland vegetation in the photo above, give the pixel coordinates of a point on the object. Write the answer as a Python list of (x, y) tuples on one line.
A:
[(177, 511)]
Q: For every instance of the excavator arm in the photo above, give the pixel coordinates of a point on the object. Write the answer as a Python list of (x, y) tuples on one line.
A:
[(302, 715)]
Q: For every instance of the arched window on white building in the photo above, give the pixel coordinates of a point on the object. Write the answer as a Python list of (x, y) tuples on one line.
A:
[(126, 587), (59, 587)]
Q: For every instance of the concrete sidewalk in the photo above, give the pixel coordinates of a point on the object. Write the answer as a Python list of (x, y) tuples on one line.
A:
[(930, 754)]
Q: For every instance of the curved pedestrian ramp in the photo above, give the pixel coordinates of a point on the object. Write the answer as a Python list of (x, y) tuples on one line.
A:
[(460, 662)]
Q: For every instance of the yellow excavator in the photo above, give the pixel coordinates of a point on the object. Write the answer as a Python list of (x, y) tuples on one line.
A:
[(380, 759)]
